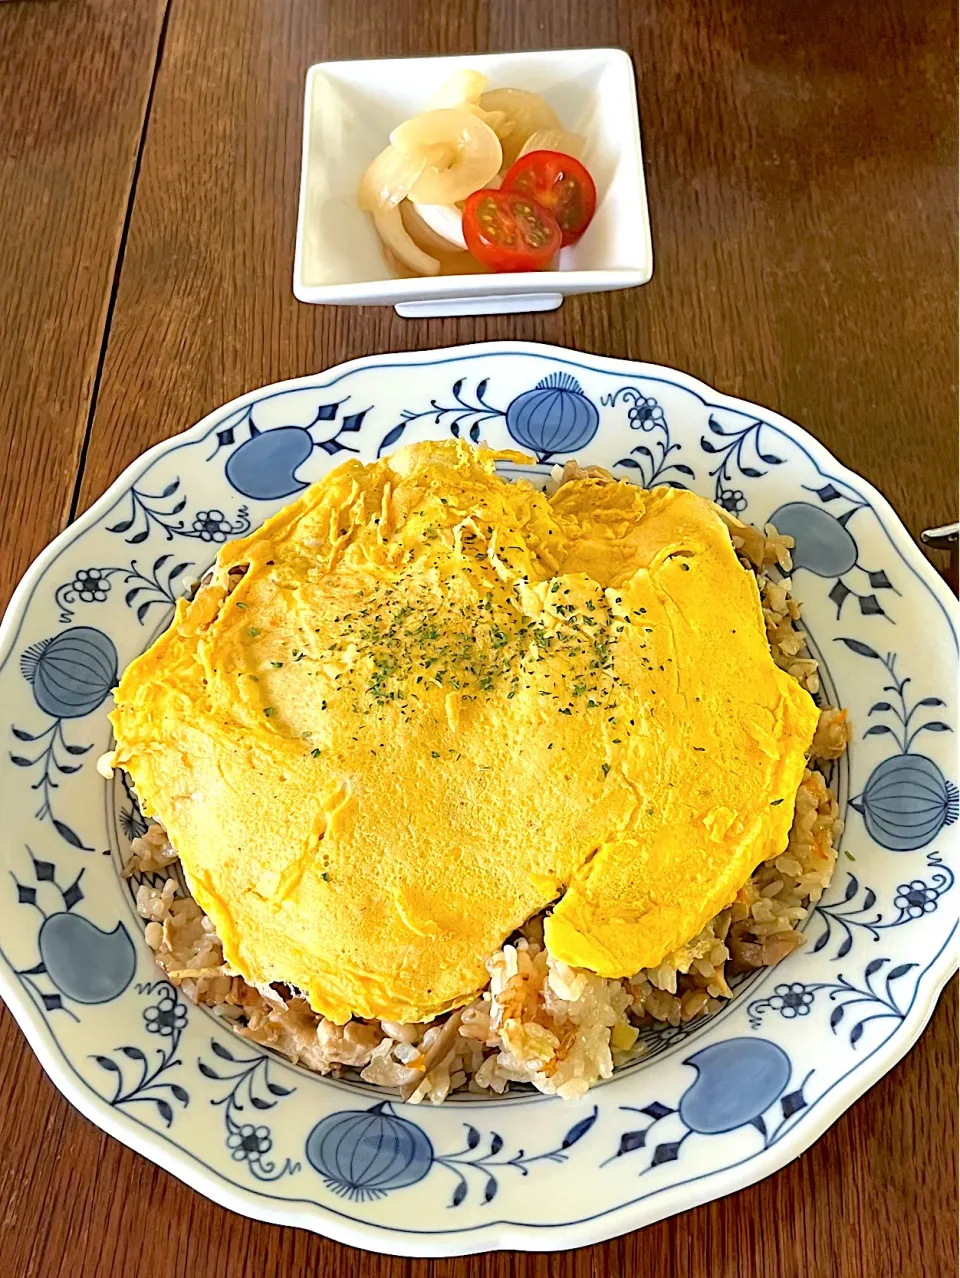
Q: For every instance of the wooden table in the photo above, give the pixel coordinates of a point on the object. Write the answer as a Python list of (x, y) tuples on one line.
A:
[(801, 162)]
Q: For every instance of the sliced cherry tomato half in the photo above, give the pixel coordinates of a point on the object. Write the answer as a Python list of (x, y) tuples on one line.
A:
[(558, 182), (509, 231)]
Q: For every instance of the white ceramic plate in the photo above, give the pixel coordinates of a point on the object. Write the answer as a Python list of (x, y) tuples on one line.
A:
[(716, 1105)]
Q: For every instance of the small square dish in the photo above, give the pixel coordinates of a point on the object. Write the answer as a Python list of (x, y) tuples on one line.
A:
[(349, 111)]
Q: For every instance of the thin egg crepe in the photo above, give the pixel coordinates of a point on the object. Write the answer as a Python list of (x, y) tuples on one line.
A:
[(421, 703)]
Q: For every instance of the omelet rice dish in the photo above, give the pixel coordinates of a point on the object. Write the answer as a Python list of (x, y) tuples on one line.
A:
[(423, 705)]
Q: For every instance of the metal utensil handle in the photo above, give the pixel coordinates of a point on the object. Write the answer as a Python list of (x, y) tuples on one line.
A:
[(943, 538)]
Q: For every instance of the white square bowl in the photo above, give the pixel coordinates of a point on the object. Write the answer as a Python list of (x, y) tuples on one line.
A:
[(351, 108)]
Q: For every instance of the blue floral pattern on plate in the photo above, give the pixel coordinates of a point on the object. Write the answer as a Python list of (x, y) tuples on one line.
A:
[(648, 460), (874, 1001), (251, 1092), (856, 909), (144, 589), (145, 1076), (716, 1104)]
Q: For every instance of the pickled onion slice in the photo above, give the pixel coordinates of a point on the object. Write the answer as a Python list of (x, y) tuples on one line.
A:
[(458, 90), (470, 154), (391, 175), (555, 140), (525, 113), (394, 234)]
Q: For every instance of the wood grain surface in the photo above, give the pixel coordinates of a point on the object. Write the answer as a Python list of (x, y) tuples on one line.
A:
[(801, 164), (74, 83)]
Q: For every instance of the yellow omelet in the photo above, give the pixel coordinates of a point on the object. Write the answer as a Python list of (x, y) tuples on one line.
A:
[(422, 703)]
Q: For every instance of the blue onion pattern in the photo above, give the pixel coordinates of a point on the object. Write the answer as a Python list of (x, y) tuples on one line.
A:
[(796, 1011), (473, 1160), (916, 898), (265, 467), (72, 673), (733, 500), (93, 586), (167, 1017), (71, 676), (249, 1142), (740, 452), (366, 1154), (906, 802), (792, 999), (363, 1154), (644, 413), (554, 417)]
